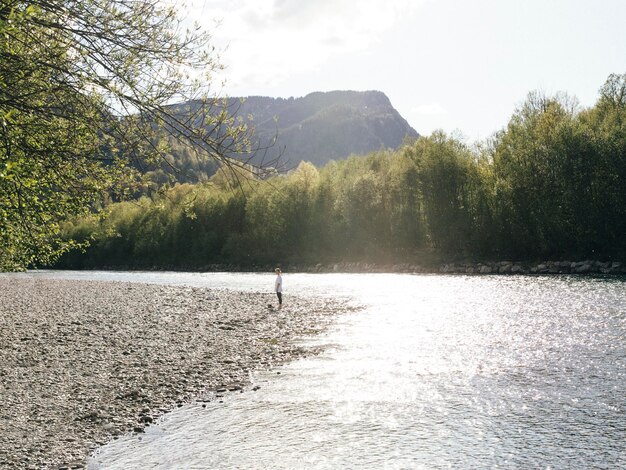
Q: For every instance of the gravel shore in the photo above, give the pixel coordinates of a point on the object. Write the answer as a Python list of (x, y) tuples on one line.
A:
[(83, 361)]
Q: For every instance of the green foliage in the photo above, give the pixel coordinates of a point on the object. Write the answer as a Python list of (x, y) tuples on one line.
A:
[(85, 88), (50, 163), (560, 177), (550, 185), (446, 171)]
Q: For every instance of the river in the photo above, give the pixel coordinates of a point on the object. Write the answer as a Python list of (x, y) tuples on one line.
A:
[(435, 372)]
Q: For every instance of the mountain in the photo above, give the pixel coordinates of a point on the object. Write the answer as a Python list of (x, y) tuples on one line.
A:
[(325, 126), (317, 128)]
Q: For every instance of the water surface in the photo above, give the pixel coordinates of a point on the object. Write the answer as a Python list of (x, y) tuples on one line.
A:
[(436, 372)]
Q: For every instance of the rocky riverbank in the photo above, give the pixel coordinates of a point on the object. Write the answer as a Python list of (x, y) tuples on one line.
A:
[(495, 267), (485, 267), (500, 267), (545, 267), (82, 362)]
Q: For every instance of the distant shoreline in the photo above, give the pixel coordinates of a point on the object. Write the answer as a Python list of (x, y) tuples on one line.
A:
[(85, 361), (484, 267)]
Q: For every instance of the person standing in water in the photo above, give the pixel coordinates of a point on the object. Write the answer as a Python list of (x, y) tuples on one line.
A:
[(279, 288)]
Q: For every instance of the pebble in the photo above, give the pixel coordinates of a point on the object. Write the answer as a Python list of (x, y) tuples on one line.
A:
[(82, 362)]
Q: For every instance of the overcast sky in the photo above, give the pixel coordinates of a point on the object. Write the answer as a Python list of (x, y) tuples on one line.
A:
[(444, 64)]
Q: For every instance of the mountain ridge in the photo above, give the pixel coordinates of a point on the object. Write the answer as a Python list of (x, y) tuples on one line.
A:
[(324, 126), (317, 128)]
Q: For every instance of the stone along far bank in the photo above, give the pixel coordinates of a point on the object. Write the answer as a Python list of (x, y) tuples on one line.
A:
[(82, 362)]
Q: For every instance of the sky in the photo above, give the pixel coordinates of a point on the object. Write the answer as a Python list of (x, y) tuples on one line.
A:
[(462, 66)]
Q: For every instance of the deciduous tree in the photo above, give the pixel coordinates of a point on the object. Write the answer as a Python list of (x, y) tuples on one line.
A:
[(85, 87)]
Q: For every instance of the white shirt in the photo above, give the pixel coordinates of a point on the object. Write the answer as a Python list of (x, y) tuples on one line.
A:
[(279, 283)]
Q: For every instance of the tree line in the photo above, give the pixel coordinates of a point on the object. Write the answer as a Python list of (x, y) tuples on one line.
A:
[(550, 185), (85, 114)]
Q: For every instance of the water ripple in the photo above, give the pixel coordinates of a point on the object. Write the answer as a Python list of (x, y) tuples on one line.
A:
[(437, 372)]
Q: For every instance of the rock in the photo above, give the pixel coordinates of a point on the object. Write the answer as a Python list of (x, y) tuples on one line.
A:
[(583, 268), (517, 269), (174, 349), (564, 266), (505, 268)]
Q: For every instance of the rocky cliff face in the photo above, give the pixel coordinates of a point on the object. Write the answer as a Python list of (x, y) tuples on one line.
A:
[(325, 126)]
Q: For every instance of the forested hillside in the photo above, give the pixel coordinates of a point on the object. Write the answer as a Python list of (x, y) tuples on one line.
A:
[(316, 128), (550, 185)]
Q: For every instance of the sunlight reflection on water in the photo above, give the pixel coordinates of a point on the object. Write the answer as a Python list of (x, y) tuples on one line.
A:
[(436, 372)]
